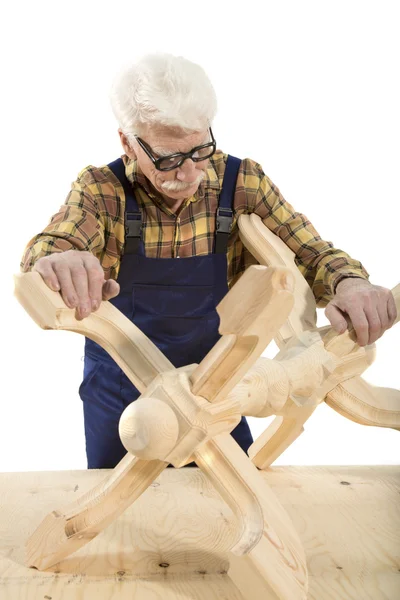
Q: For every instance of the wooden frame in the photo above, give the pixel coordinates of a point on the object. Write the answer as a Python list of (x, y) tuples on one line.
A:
[(186, 414)]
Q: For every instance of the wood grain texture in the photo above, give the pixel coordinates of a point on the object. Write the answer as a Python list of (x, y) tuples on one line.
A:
[(149, 428), (250, 315), (348, 519), (271, 251), (343, 388), (137, 356), (366, 404), (64, 531), (274, 563)]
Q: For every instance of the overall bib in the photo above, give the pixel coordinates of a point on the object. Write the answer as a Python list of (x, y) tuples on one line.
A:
[(173, 301)]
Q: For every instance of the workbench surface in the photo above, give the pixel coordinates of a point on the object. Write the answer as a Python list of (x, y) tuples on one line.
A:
[(348, 519)]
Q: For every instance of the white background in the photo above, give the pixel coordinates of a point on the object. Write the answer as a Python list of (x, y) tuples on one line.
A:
[(308, 89)]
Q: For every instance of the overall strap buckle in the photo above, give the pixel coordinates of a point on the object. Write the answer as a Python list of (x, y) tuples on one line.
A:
[(133, 219), (223, 226), (224, 216), (133, 231), (224, 220)]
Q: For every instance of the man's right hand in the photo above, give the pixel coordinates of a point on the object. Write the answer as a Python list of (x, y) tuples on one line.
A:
[(79, 277)]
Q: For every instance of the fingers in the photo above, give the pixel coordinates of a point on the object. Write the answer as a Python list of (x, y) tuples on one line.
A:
[(375, 325), (67, 289), (360, 325), (381, 314), (96, 281), (336, 318), (56, 274), (110, 289), (46, 271), (370, 313), (336, 312), (79, 277)]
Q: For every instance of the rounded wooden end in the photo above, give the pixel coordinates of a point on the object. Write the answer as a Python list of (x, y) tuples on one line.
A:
[(149, 429)]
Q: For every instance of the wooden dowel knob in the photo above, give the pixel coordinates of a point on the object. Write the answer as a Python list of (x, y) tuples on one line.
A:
[(149, 429)]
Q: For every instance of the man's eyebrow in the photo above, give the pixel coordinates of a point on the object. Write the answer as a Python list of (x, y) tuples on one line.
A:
[(165, 152)]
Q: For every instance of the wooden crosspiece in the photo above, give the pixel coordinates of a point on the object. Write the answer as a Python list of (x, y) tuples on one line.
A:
[(186, 414)]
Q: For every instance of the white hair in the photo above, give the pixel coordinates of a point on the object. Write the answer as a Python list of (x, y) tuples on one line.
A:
[(165, 90)]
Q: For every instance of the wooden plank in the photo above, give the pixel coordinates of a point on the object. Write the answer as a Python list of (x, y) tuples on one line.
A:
[(348, 519)]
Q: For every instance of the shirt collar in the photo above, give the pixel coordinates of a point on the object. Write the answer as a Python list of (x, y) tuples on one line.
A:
[(135, 176)]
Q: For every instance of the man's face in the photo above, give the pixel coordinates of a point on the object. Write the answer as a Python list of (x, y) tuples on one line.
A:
[(182, 182)]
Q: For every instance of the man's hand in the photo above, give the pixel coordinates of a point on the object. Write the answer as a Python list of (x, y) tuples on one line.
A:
[(371, 309), (79, 277)]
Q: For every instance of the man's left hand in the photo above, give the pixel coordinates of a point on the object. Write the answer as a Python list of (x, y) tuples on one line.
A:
[(371, 309)]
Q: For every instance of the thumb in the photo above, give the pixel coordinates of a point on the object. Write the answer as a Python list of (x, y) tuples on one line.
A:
[(110, 289), (336, 317)]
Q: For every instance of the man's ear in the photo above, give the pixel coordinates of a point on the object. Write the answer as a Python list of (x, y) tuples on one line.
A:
[(129, 151)]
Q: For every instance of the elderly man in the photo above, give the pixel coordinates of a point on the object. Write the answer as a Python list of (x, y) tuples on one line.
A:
[(155, 232)]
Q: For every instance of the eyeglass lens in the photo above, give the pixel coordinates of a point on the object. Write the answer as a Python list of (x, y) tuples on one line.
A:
[(173, 161)]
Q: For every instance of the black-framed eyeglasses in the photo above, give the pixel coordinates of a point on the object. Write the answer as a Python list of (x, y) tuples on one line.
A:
[(173, 161)]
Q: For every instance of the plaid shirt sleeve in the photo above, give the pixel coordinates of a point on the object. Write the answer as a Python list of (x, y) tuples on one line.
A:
[(322, 265), (78, 225)]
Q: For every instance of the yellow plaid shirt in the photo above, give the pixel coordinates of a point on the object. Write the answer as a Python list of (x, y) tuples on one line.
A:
[(92, 219)]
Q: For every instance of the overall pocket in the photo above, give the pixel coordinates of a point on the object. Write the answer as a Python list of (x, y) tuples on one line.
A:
[(180, 320)]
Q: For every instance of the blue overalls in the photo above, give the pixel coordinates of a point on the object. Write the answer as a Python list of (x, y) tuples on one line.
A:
[(173, 301)]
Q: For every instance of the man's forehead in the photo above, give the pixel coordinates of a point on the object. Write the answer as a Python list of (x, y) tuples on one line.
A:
[(170, 140)]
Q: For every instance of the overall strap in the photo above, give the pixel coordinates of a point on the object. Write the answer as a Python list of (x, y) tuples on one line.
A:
[(224, 218), (133, 217)]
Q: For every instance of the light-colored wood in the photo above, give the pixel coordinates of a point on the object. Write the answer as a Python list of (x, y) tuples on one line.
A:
[(284, 574), (64, 531), (250, 315), (379, 407), (269, 250), (245, 333), (309, 385), (197, 419), (279, 435), (341, 386), (348, 519), (149, 429), (187, 413), (296, 372), (134, 353)]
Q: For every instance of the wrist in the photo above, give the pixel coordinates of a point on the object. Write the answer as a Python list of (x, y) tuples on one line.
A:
[(350, 281)]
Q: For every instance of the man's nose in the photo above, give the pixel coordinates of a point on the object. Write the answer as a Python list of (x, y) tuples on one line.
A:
[(187, 171)]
